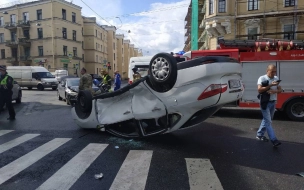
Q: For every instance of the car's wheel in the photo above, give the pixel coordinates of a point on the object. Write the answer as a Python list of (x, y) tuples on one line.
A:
[(30, 88), (18, 100), (163, 72), (54, 88), (59, 97), (295, 109), (84, 100), (40, 87)]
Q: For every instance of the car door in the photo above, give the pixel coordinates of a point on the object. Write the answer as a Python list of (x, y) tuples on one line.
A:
[(146, 105), (15, 90)]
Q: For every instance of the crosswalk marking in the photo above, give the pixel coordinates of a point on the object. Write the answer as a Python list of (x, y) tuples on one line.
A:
[(6, 146), (3, 132), (202, 175), (134, 171), (30, 158), (66, 176)]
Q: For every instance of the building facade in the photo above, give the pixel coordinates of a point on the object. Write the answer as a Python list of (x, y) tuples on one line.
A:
[(246, 19), (54, 34)]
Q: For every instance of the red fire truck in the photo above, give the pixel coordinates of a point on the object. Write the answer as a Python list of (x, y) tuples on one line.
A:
[(255, 56)]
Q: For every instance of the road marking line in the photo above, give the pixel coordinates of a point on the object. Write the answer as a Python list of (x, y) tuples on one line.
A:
[(30, 158), (134, 171), (202, 175), (6, 146), (67, 175), (3, 132)]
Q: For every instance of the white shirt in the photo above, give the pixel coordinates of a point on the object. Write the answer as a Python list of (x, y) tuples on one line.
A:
[(265, 78)]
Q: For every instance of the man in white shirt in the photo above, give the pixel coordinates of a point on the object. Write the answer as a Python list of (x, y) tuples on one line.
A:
[(272, 89)]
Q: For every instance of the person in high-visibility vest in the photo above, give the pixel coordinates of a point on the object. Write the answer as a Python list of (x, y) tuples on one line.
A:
[(6, 86), (106, 79)]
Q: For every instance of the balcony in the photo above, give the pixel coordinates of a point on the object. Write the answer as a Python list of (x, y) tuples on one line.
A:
[(24, 42), (12, 60), (23, 23), (11, 43), (25, 58), (10, 25)]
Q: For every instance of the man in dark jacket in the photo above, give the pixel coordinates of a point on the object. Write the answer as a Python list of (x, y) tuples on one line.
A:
[(6, 86)]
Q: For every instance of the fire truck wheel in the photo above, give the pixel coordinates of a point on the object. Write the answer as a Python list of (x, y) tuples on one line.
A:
[(163, 72), (295, 109)]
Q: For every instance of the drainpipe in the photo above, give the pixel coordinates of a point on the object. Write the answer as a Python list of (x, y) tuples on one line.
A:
[(235, 14)]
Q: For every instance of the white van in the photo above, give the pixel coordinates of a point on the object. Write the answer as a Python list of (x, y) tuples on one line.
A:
[(33, 77), (60, 73), (142, 63)]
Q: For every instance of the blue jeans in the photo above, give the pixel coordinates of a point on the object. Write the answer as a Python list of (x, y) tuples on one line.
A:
[(117, 87), (266, 122)]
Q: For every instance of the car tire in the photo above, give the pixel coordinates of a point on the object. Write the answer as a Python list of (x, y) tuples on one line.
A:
[(59, 97), (54, 88), (294, 109), (163, 72), (30, 88), (84, 101), (40, 87), (18, 100)]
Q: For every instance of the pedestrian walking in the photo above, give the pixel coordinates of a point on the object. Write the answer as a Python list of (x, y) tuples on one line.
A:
[(117, 80), (6, 93), (268, 88)]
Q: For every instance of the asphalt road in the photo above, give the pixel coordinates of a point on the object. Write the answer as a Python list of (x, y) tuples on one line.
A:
[(227, 140)]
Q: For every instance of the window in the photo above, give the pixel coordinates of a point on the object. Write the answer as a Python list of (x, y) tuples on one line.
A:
[(74, 35), (82, 44), (65, 50), (40, 33), (114, 56), (13, 36), (101, 48), (40, 50), (101, 36), (26, 17), (14, 52), (13, 19), (96, 46), (96, 58), (289, 3), (39, 14), (252, 5), (1, 37), (211, 11), (251, 33), (3, 54), (83, 57), (113, 45), (64, 33), (73, 17), (65, 66), (26, 34), (27, 51), (1, 21), (222, 6), (289, 28), (63, 14), (74, 51)]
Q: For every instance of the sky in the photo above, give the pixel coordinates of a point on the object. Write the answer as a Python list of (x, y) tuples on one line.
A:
[(155, 25)]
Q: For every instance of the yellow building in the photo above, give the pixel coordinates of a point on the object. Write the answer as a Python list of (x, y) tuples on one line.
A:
[(54, 34), (248, 19)]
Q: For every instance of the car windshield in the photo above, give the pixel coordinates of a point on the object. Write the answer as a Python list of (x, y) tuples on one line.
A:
[(45, 75), (73, 82)]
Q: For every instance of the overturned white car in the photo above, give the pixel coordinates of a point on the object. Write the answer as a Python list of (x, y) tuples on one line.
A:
[(173, 96)]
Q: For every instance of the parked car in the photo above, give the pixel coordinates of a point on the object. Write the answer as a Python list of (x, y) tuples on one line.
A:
[(68, 89), (173, 96)]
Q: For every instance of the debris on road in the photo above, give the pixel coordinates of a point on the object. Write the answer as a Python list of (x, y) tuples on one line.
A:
[(98, 176)]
